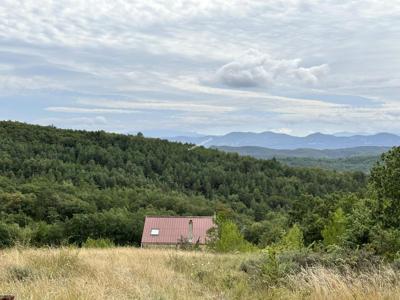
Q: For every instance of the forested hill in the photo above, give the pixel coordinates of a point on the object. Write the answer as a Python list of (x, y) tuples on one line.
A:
[(63, 186), (348, 159)]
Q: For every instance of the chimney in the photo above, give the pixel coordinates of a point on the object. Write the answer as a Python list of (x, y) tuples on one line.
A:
[(190, 236)]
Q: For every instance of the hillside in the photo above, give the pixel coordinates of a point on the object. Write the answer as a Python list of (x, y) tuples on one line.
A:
[(347, 159), (284, 141), (355, 164), (63, 186), (268, 153)]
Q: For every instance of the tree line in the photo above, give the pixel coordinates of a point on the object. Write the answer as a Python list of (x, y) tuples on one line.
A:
[(65, 187)]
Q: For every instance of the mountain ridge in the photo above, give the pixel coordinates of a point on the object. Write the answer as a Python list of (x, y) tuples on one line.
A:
[(272, 140)]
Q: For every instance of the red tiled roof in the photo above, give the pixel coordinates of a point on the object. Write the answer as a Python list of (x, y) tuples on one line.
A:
[(171, 229)]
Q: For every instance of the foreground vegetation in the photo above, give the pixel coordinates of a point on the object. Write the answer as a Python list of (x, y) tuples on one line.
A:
[(131, 273)]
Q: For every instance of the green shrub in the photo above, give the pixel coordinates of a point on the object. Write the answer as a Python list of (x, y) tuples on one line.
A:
[(185, 244), (270, 268), (227, 238), (356, 259), (385, 241), (274, 265), (10, 234), (334, 233), (293, 239), (48, 234), (98, 243)]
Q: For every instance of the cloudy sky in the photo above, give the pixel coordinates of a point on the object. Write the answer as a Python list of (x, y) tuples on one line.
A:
[(208, 66)]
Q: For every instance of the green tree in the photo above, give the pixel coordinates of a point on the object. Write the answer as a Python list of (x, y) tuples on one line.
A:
[(229, 239), (362, 222), (293, 239), (9, 234), (269, 231), (334, 233), (385, 241), (385, 181)]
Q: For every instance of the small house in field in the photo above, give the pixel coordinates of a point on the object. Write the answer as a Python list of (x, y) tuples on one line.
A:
[(173, 231)]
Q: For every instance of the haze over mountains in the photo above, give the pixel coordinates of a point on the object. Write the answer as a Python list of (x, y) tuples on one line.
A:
[(274, 140)]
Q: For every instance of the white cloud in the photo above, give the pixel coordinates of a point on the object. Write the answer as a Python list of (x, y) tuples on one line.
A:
[(254, 68), (18, 83), (156, 105), (80, 110), (73, 122), (247, 98)]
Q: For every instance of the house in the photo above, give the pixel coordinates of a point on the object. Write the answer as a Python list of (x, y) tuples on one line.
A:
[(171, 231)]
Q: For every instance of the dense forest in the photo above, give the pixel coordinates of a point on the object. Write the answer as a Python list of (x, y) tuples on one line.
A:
[(357, 163), (350, 159), (64, 186)]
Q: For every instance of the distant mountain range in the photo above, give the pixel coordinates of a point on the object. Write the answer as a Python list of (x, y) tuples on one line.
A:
[(274, 140)]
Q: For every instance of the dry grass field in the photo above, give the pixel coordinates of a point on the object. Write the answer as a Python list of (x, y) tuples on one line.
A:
[(131, 273)]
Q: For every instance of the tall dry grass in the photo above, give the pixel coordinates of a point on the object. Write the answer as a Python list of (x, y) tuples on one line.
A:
[(321, 283), (130, 273)]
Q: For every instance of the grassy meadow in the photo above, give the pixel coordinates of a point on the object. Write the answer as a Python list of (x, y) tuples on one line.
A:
[(132, 273)]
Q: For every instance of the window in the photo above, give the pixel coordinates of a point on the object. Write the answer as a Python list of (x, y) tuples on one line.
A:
[(154, 231)]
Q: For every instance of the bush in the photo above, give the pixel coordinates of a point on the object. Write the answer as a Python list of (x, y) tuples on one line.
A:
[(10, 234), (385, 242), (48, 234), (185, 244), (334, 232), (293, 239), (274, 265), (227, 238), (98, 243), (271, 267)]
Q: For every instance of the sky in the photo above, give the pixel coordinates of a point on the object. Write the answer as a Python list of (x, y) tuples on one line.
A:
[(205, 66)]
